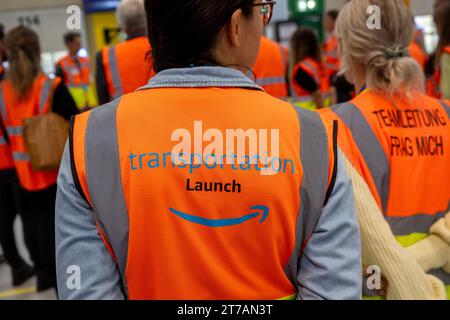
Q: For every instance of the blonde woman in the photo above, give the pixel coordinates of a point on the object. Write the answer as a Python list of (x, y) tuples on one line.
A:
[(403, 139)]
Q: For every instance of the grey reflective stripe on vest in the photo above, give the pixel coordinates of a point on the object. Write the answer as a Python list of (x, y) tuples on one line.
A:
[(3, 112), (2, 141), (418, 223), (15, 131), (115, 75), (446, 107), (270, 81), (21, 156), (315, 162), (105, 183), (45, 94), (370, 148)]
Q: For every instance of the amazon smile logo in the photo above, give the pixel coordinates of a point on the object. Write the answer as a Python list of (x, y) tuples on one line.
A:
[(256, 211)]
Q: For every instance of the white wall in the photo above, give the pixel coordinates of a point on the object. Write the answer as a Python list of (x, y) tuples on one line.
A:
[(32, 4)]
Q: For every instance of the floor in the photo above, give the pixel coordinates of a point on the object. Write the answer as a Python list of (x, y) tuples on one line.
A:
[(26, 291)]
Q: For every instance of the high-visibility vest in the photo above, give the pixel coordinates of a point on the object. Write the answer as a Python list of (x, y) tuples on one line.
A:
[(190, 236), (14, 112), (78, 81), (331, 54), (302, 98), (6, 161), (271, 67), (415, 51), (127, 67), (405, 148)]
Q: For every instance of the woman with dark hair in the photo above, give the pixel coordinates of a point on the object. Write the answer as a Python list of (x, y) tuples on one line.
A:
[(310, 78), (143, 216), (28, 92)]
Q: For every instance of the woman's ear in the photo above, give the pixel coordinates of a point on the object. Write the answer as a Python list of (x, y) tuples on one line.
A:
[(234, 28)]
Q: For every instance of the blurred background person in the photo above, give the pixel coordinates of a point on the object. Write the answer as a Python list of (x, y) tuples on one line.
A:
[(406, 156), (123, 68), (75, 71), (344, 90), (442, 56), (330, 45), (27, 91), (310, 78), (271, 68), (9, 208)]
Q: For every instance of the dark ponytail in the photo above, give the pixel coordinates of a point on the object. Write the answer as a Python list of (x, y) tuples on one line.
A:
[(183, 33)]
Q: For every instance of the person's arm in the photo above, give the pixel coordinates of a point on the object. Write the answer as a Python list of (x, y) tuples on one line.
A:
[(308, 83), (63, 103), (406, 279), (79, 246), (445, 76), (330, 267), (100, 81)]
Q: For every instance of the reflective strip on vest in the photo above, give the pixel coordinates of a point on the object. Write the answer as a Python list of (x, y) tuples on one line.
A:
[(114, 69), (315, 163), (15, 131), (418, 223), (270, 81), (45, 93), (370, 148), (446, 107), (102, 158), (21, 156), (2, 141)]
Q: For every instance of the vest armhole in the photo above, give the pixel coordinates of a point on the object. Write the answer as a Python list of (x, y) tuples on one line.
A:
[(335, 165), (73, 167)]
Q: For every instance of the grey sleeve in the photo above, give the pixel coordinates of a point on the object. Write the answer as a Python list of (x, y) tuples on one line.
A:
[(330, 267), (85, 269)]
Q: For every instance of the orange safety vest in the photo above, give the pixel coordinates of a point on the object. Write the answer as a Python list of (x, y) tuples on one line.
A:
[(415, 51), (185, 245), (6, 161), (76, 75), (301, 97), (406, 147), (317, 71), (330, 51), (126, 66), (271, 67), (13, 114)]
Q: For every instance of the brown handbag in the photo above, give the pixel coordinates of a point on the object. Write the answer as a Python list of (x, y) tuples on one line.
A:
[(45, 135)]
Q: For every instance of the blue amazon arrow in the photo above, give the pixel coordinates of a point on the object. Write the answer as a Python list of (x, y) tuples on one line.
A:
[(262, 210)]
